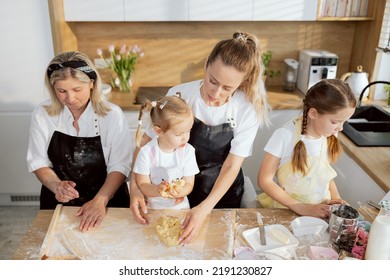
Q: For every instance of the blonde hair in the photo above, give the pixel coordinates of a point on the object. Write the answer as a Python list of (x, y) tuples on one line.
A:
[(164, 113), (243, 53), (97, 96), (327, 97)]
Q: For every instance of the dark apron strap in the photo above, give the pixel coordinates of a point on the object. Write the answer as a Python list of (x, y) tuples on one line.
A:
[(212, 146)]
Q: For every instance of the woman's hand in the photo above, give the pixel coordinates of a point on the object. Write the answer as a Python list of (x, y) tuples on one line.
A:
[(65, 191), (137, 203), (92, 213), (193, 223)]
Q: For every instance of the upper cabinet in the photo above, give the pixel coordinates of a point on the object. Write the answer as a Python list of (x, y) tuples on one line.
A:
[(220, 10), (268, 10), (214, 10), (156, 10), (94, 10)]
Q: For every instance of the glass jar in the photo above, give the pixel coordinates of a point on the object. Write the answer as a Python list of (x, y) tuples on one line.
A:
[(378, 246)]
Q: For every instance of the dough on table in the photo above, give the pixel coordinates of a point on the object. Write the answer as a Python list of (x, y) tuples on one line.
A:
[(168, 230)]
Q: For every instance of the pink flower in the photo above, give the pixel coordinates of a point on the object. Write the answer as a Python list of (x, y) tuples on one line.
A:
[(122, 49)]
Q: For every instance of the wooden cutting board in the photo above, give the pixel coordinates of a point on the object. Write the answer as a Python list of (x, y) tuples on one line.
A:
[(120, 236)]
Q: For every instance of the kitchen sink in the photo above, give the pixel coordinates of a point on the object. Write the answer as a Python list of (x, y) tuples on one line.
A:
[(369, 127), (370, 113)]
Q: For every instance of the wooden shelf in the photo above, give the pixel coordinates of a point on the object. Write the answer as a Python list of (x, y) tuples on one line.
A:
[(345, 18)]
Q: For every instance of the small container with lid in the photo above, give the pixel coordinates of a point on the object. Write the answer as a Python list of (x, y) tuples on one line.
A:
[(290, 74)]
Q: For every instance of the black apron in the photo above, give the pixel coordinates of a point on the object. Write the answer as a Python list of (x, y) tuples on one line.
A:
[(212, 146), (81, 160)]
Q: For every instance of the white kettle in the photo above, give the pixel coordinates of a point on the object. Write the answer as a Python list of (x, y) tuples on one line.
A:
[(357, 80)]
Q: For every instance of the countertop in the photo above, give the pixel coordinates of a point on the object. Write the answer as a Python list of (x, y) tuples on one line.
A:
[(238, 220), (375, 161), (278, 99), (224, 231)]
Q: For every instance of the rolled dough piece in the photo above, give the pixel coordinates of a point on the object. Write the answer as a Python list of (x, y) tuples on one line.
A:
[(168, 230)]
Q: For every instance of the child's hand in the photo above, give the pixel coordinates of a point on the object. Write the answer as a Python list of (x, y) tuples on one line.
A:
[(173, 189), (179, 200), (336, 201), (164, 189)]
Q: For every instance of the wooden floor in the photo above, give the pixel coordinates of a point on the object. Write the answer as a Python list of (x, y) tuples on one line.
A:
[(14, 223)]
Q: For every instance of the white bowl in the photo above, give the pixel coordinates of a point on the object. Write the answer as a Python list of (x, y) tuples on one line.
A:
[(306, 225)]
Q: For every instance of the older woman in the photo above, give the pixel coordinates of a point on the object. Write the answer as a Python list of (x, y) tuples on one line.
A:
[(79, 146)]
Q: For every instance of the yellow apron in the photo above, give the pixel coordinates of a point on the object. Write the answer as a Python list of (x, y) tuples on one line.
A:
[(313, 188)]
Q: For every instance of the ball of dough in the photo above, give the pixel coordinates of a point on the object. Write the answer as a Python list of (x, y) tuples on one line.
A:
[(168, 230)]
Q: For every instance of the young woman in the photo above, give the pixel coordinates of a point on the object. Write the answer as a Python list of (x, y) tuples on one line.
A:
[(79, 143), (229, 104), (166, 166), (299, 154)]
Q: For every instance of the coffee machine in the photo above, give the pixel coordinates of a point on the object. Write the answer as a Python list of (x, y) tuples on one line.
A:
[(315, 65)]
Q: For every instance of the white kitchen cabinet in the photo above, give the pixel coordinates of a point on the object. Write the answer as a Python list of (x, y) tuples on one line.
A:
[(220, 10), (252, 164), (94, 10), (271, 10), (354, 184), (132, 119), (192, 10), (156, 10)]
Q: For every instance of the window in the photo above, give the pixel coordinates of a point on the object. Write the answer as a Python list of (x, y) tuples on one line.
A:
[(384, 39)]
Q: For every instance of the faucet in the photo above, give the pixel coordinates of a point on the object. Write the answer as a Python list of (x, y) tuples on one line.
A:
[(366, 87)]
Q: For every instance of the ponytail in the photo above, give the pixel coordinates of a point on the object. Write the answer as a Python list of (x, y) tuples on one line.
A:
[(138, 134), (334, 148), (299, 158)]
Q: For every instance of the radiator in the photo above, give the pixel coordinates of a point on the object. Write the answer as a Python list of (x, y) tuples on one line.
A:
[(19, 199)]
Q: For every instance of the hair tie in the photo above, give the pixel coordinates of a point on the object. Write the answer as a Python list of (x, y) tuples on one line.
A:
[(241, 37), (75, 64), (140, 122), (154, 103), (301, 137), (163, 105)]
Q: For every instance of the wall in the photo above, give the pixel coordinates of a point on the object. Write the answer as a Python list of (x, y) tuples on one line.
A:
[(175, 52), (26, 50)]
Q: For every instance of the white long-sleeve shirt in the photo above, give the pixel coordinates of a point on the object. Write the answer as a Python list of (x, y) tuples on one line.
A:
[(113, 128)]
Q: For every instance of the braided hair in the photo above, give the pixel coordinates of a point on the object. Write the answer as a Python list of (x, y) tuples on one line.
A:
[(327, 97)]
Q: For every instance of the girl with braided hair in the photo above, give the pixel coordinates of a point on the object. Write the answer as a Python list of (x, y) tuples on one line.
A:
[(299, 154)]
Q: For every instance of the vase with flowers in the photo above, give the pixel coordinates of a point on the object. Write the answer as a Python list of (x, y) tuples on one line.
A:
[(122, 63)]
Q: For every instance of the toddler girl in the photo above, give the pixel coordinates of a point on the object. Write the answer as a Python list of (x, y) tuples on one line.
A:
[(165, 167)]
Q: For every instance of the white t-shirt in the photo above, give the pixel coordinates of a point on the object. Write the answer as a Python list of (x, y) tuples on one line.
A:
[(243, 113), (152, 161), (113, 128), (144, 162), (281, 144)]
